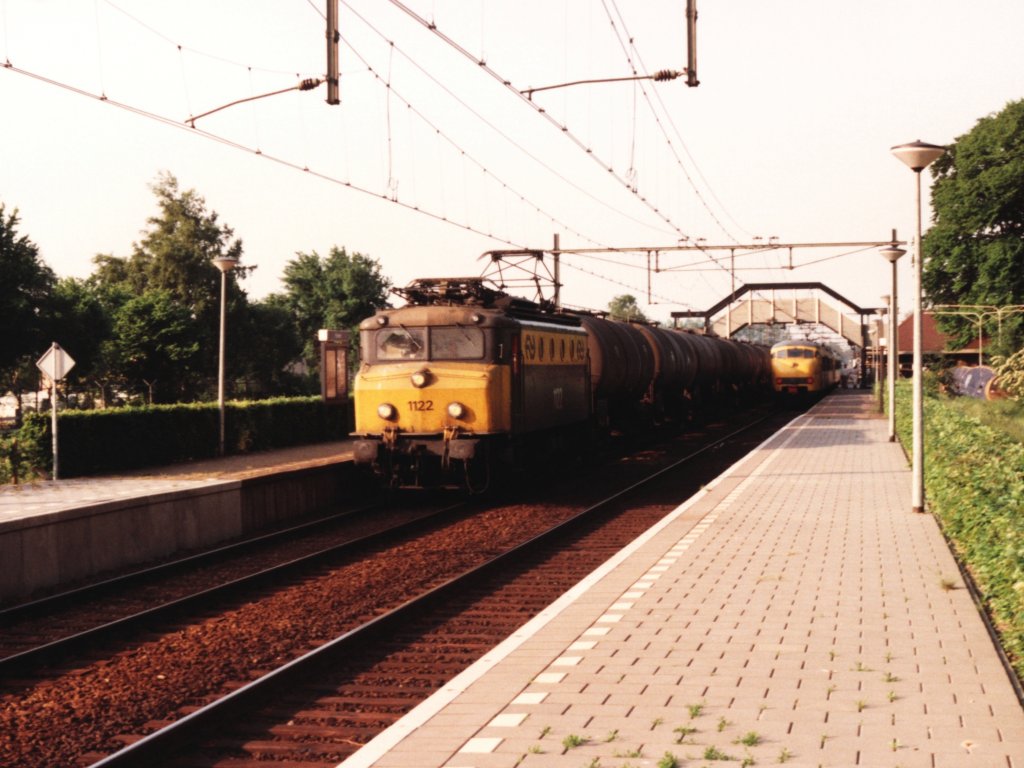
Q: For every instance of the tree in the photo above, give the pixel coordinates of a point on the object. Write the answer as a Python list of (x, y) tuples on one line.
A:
[(265, 350), (153, 344), (177, 251), (78, 320), (175, 257), (974, 253), (625, 307), (25, 286), (333, 292)]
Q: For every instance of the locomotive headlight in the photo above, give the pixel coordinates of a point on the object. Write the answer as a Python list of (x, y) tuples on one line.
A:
[(456, 410), (420, 379), (387, 411)]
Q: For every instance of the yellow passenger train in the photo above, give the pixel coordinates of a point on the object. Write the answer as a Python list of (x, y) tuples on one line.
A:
[(804, 368)]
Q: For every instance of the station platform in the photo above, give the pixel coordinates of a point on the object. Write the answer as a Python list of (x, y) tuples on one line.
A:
[(794, 612), (42, 497), (53, 533)]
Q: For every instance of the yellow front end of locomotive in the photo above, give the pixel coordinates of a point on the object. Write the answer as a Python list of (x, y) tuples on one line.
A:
[(796, 368), (433, 399), (795, 374)]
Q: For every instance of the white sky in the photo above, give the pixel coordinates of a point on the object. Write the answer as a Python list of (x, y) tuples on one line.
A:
[(788, 134)]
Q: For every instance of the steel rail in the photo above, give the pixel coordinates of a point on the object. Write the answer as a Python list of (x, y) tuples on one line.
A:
[(46, 605), (17, 663)]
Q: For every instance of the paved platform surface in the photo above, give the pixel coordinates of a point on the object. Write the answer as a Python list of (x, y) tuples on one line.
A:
[(46, 496), (794, 612)]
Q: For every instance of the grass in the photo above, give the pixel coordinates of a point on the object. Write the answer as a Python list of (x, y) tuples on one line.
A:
[(683, 731), (573, 740), (1005, 416), (629, 753), (714, 753)]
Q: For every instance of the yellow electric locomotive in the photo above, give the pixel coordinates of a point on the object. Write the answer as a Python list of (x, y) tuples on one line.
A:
[(804, 368), (465, 378), (459, 378)]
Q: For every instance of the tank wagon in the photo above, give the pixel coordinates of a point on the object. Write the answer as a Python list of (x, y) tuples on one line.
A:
[(804, 368), (465, 377)]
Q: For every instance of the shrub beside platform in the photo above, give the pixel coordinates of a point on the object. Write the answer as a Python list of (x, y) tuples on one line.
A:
[(118, 439)]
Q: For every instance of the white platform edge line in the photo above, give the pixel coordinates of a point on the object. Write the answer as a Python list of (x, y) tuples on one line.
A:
[(377, 747)]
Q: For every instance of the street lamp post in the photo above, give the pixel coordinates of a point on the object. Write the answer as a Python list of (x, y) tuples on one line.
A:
[(892, 254), (917, 156), (882, 351), (225, 264)]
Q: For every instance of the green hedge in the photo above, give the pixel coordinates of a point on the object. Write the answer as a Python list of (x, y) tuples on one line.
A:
[(117, 439), (974, 485)]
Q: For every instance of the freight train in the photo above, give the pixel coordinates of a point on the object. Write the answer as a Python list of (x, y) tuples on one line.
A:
[(465, 377), (804, 368)]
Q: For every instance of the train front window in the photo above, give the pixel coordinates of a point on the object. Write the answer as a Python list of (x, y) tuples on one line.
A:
[(401, 344), (458, 343), (782, 354)]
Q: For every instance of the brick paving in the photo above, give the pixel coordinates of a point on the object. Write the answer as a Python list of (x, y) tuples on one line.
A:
[(794, 612)]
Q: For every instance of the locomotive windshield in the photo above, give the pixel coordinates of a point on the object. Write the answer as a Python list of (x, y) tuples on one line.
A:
[(794, 352), (401, 344), (436, 343), (459, 343)]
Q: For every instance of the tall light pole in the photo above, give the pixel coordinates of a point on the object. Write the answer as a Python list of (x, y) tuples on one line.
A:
[(917, 156), (892, 254), (880, 359), (225, 264)]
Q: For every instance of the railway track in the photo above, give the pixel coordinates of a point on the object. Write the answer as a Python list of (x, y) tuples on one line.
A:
[(321, 708), (174, 675), (46, 630)]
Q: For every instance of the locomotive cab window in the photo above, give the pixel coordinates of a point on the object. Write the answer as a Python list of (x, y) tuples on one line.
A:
[(458, 343), (401, 344), (782, 354)]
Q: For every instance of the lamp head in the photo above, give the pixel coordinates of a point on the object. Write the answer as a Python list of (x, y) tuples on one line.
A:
[(225, 263), (918, 155), (892, 253)]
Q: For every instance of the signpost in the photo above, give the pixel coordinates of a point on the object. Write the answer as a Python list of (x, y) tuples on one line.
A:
[(55, 365)]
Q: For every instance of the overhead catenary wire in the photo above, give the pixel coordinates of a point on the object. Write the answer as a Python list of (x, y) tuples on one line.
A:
[(168, 121), (392, 92), (309, 83), (196, 51), (490, 124), (635, 289), (305, 84), (240, 145), (668, 117), (564, 129)]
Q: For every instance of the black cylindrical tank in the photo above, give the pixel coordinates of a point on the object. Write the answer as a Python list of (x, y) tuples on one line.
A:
[(675, 360), (711, 362), (621, 359)]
